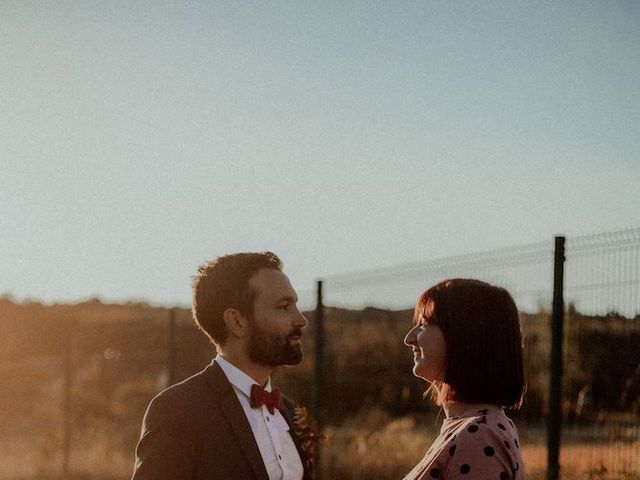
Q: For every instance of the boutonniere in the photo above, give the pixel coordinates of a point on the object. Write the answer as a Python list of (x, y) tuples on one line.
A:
[(306, 429)]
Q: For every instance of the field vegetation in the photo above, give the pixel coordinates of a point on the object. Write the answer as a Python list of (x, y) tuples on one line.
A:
[(77, 379)]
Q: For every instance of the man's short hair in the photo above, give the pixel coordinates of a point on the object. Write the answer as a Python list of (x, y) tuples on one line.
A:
[(481, 328), (224, 283)]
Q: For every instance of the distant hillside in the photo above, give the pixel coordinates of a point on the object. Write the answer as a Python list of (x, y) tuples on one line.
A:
[(118, 356)]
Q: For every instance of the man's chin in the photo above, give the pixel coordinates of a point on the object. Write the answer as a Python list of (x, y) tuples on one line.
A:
[(295, 356)]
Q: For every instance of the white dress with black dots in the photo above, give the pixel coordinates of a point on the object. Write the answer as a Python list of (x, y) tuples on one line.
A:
[(480, 445)]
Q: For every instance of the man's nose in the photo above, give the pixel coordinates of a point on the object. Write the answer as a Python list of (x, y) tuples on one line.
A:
[(301, 320)]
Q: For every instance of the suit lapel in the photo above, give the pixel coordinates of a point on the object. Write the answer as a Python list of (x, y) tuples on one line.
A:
[(237, 419)]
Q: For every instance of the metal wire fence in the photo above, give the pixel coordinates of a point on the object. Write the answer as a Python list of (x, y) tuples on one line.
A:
[(525, 271), (602, 276), (603, 273)]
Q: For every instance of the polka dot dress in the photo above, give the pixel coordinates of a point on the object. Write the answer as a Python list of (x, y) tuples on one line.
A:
[(482, 444)]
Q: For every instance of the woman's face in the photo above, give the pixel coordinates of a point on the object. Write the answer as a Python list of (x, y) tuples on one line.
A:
[(429, 350)]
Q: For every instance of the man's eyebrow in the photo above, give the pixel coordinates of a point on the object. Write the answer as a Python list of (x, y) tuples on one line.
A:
[(288, 298)]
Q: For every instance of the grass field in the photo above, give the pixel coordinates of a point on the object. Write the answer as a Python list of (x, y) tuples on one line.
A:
[(389, 451), (382, 449)]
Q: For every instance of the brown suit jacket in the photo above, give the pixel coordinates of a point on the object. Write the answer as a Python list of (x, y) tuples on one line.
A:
[(197, 430)]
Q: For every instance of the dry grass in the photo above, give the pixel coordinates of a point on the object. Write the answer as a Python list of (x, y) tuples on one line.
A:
[(388, 450), (614, 461), (370, 446)]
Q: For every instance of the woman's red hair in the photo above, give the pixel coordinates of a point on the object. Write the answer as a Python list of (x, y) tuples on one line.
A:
[(481, 328)]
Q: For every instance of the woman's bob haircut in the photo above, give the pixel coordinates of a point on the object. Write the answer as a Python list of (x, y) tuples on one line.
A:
[(481, 328)]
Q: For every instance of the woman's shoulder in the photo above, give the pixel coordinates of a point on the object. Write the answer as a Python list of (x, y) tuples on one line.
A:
[(486, 426), (484, 444)]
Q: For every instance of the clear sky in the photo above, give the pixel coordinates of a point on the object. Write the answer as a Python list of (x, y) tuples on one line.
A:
[(139, 139)]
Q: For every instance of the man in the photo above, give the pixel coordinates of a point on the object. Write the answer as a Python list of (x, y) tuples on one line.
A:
[(226, 422)]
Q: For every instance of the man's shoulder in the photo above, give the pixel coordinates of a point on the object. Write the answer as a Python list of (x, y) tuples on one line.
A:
[(194, 389)]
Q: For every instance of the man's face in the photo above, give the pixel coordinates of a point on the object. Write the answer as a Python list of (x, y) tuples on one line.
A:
[(275, 335)]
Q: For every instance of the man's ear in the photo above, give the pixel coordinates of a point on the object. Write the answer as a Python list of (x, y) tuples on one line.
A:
[(236, 322)]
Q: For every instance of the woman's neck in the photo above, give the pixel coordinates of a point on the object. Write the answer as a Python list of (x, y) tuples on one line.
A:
[(460, 409)]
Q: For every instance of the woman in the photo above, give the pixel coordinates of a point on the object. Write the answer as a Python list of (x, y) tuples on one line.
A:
[(467, 343)]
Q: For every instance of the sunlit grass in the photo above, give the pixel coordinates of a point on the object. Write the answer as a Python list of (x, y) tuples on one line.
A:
[(371, 445), (389, 451)]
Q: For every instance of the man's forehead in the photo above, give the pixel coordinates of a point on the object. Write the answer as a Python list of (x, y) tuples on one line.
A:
[(272, 283)]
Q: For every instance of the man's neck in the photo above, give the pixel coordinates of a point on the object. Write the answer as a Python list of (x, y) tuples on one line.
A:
[(259, 373)]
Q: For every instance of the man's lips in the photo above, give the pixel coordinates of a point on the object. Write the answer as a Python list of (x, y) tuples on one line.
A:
[(295, 335)]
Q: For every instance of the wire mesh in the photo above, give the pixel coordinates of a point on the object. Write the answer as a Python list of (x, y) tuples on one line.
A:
[(603, 273), (525, 271)]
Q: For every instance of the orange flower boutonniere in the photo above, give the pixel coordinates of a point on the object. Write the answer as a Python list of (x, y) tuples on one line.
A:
[(307, 431)]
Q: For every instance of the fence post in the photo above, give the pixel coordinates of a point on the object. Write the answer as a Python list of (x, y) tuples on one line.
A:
[(318, 384), (67, 427), (555, 385), (171, 354)]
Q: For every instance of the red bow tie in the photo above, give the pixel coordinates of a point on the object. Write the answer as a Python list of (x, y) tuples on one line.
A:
[(259, 397)]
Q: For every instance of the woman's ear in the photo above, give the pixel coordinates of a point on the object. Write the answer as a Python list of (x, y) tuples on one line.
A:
[(235, 321)]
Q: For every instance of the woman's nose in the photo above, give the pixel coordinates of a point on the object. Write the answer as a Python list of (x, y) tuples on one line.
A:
[(409, 338)]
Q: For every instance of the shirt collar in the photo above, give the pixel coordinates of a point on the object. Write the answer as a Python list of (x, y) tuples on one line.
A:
[(237, 377)]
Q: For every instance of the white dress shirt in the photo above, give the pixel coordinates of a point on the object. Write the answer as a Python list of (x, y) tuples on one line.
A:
[(271, 432)]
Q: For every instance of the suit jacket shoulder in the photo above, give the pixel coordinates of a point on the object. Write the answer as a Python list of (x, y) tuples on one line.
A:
[(197, 430)]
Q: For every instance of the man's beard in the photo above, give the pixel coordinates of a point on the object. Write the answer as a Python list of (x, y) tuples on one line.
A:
[(273, 350)]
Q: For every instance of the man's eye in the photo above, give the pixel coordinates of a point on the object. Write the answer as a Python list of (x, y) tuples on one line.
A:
[(284, 307)]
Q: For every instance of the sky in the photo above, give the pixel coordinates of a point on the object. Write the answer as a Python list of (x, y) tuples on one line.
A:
[(140, 139)]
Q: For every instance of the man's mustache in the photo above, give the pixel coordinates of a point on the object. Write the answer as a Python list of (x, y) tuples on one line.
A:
[(295, 333)]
